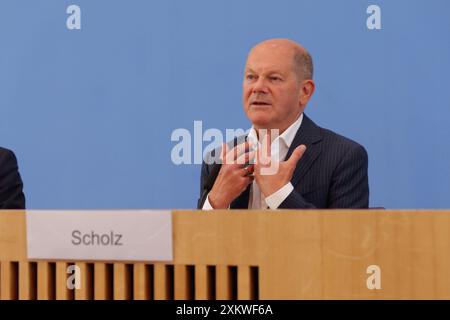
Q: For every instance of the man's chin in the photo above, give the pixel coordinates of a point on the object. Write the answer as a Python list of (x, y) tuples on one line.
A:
[(260, 121)]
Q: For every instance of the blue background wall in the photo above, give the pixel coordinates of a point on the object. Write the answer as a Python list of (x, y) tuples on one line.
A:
[(90, 112)]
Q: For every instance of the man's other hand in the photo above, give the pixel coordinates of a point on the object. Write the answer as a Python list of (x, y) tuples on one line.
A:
[(271, 176)]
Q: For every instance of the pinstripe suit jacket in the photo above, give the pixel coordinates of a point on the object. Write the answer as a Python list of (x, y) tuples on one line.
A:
[(11, 195), (331, 174)]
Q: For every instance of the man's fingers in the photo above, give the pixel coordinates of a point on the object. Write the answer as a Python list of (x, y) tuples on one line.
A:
[(297, 155), (223, 153), (251, 169), (237, 151), (247, 171)]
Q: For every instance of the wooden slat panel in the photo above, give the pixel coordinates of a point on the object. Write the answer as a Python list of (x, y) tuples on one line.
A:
[(63, 292), (180, 284), (103, 281), (142, 282), (224, 283), (122, 282), (27, 280), (45, 281), (244, 283), (9, 280), (204, 283), (162, 280), (86, 290)]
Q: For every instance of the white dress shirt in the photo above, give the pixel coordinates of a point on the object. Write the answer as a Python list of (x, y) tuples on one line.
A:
[(279, 149)]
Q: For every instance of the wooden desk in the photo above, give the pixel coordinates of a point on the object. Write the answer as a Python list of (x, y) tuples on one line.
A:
[(293, 254)]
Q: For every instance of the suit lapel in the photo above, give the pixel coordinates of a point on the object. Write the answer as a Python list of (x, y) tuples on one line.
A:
[(309, 135)]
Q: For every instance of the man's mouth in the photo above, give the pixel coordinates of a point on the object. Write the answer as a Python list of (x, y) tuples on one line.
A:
[(260, 103)]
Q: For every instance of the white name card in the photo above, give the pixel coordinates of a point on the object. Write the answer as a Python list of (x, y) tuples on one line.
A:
[(100, 235)]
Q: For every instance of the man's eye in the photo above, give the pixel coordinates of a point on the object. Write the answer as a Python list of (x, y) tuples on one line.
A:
[(275, 78), (250, 77)]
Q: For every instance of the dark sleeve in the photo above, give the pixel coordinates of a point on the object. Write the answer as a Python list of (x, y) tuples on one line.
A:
[(11, 194), (295, 201), (203, 178), (349, 187)]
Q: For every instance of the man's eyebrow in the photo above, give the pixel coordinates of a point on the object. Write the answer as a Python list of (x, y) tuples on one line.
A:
[(269, 72)]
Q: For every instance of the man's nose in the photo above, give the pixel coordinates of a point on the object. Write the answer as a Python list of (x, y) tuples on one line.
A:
[(260, 86)]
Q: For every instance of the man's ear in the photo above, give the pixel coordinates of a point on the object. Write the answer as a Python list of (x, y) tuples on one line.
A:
[(306, 91)]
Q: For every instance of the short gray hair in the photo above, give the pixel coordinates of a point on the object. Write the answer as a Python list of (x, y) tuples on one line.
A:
[(303, 64)]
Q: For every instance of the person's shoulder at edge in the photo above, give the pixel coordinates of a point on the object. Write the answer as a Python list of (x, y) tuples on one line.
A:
[(7, 154), (9, 170)]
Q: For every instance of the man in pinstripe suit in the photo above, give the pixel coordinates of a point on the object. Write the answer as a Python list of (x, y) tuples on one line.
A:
[(315, 167)]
